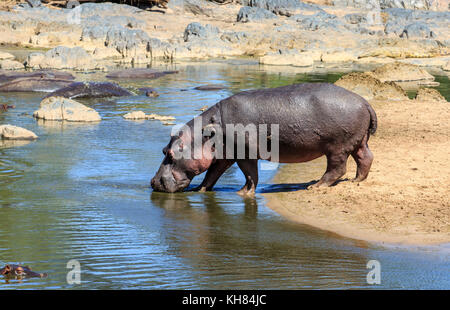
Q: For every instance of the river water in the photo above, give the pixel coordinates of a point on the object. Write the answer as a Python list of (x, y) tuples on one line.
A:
[(81, 191)]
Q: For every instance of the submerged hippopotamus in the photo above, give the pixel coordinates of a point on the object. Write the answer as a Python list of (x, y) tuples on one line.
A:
[(13, 271), (6, 75), (149, 92), (5, 107), (34, 84), (90, 90), (138, 73), (306, 121)]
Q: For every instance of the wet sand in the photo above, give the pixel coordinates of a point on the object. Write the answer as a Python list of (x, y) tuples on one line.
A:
[(405, 199)]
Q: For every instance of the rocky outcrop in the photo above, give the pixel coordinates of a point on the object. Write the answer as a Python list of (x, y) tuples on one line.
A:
[(283, 7), (136, 115), (370, 87), (287, 58), (320, 20), (63, 109), (62, 57), (403, 4), (10, 132), (401, 72), (5, 55), (429, 94), (8, 64), (251, 14)]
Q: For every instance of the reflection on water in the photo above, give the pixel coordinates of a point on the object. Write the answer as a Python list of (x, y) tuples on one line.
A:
[(81, 191)]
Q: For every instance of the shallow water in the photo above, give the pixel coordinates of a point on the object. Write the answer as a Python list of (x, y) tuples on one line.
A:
[(81, 191)]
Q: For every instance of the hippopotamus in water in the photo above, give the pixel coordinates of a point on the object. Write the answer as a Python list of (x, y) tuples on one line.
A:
[(5, 107), (6, 76), (34, 84), (149, 92), (13, 271), (138, 73), (90, 90), (313, 119)]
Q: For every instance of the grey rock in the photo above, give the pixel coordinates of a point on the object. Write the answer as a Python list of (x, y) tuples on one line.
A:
[(34, 3), (355, 18), (317, 21), (394, 28), (417, 30), (283, 7), (252, 14), (196, 30)]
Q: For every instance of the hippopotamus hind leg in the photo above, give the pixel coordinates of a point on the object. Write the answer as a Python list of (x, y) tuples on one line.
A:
[(336, 168), (250, 169), (363, 157), (213, 174)]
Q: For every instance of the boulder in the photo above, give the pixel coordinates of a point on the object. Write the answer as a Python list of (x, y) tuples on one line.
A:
[(196, 31), (5, 55), (135, 115), (429, 94), (250, 14), (10, 132), (288, 58), (62, 57), (417, 30), (64, 109), (401, 72), (370, 87), (8, 64)]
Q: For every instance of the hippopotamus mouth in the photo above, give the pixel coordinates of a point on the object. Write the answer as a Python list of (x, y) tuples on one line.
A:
[(168, 183)]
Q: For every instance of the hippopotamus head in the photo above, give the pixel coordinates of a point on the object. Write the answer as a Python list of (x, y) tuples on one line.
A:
[(12, 271), (181, 163)]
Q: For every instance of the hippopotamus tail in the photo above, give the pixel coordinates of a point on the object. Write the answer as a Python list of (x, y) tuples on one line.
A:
[(373, 120)]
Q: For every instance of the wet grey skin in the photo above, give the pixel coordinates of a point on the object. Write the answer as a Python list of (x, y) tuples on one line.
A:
[(7, 76), (210, 87), (18, 271), (90, 90), (149, 92), (138, 73), (34, 84), (314, 119)]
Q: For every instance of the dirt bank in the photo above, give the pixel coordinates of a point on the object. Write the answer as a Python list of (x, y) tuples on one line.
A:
[(406, 197)]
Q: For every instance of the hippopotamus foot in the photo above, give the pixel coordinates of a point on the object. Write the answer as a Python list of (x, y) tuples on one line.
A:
[(364, 158), (250, 169)]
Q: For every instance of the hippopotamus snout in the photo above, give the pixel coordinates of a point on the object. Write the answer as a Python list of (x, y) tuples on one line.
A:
[(165, 181)]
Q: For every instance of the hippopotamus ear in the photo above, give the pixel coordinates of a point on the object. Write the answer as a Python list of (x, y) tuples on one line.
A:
[(208, 131), (6, 269)]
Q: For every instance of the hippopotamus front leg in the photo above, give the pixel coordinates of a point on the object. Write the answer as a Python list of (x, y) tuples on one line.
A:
[(250, 169), (213, 174)]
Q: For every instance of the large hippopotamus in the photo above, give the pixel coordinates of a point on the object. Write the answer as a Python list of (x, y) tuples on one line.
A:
[(313, 119), (18, 271)]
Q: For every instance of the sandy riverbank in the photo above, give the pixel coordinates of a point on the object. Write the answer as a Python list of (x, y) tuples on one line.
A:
[(405, 200)]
